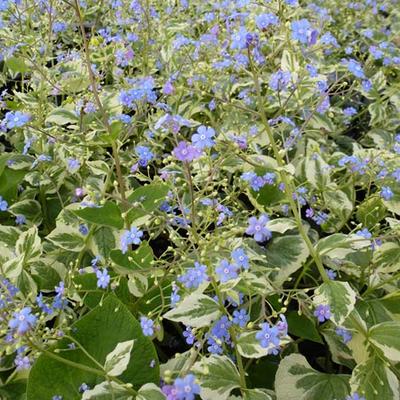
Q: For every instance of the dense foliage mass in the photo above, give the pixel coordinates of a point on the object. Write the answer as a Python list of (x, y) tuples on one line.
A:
[(200, 199)]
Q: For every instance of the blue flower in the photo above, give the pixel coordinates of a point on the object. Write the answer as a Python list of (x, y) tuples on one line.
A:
[(144, 154), (263, 21), (240, 317), (103, 279), (239, 39), (22, 362), (365, 233), (323, 312), (3, 204), (349, 111), (386, 193), (268, 336), (344, 333), (15, 119), (258, 228), (23, 321), (331, 274), (355, 68), (355, 396), (195, 276), (240, 258), (186, 388), (213, 346), (220, 329), (189, 335), (20, 219), (279, 80), (302, 31), (203, 138), (131, 236), (147, 326), (226, 271)]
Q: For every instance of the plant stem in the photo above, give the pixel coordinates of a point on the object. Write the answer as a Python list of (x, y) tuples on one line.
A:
[(284, 175), (99, 104)]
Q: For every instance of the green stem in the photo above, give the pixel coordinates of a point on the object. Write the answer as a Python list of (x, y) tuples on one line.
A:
[(286, 179)]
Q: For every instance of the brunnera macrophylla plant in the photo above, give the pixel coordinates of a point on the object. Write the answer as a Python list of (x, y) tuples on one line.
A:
[(199, 200)]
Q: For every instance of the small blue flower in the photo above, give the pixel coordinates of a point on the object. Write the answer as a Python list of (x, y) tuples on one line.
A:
[(220, 329), (22, 321), (3, 204), (15, 119), (83, 229), (302, 31), (73, 164), (263, 21), (258, 228), (203, 138), (240, 317), (195, 276), (189, 335), (144, 154), (240, 258), (103, 279), (386, 193), (186, 388), (22, 362), (331, 274), (355, 68), (226, 271), (279, 80), (130, 237), (323, 312), (20, 219), (355, 396), (147, 326), (268, 336), (344, 333), (365, 233), (213, 346)]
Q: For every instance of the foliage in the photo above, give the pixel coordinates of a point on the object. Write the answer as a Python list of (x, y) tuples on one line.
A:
[(199, 199)]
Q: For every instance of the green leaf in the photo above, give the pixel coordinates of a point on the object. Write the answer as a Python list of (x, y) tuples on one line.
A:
[(30, 209), (67, 237), (150, 392), (256, 394), (9, 181), (249, 346), (16, 64), (146, 199), (61, 116), (296, 380), (281, 225), (29, 245), (117, 361), (103, 241), (287, 253), (107, 391), (98, 332), (371, 211), (387, 257), (385, 336), (217, 376), (195, 310), (341, 354), (374, 380), (303, 327), (317, 171), (393, 204), (340, 297), (107, 215), (141, 258)]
